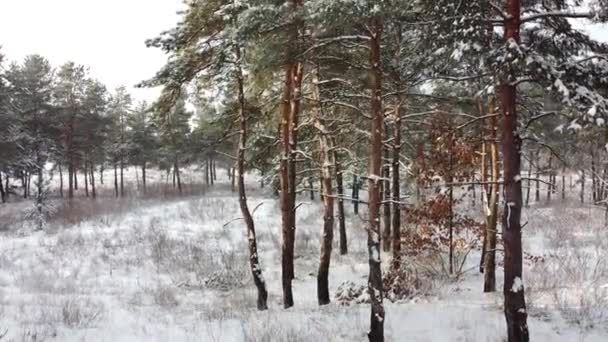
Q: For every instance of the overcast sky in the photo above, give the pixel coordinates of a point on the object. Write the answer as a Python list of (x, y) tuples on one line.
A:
[(106, 35)]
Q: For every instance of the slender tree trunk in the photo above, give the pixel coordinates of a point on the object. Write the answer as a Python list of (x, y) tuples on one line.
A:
[(2, 192), (70, 180), (492, 213), (376, 333), (327, 195), (286, 208), (177, 174), (550, 183), (86, 179), (214, 169), (529, 181), (537, 192), (386, 207), (515, 302), (122, 178), (294, 113), (450, 180), (341, 216), (60, 181), (355, 195), (101, 170), (24, 184), (7, 186), (397, 185), (116, 179), (311, 189), (256, 269), (143, 176), (75, 177), (563, 182), (93, 190), (39, 188), (593, 176), (583, 186), (484, 188), (207, 171)]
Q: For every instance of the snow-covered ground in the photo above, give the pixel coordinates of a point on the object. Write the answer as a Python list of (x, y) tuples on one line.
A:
[(175, 269)]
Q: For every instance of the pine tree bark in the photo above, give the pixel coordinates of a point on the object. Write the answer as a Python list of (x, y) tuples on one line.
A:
[(2, 192), (60, 181), (386, 207), (256, 269), (177, 175), (86, 179), (116, 179), (326, 162), (484, 188), (375, 286), (355, 195), (397, 185), (285, 201), (143, 176), (489, 284), (93, 190), (122, 177), (341, 215), (70, 180), (515, 303)]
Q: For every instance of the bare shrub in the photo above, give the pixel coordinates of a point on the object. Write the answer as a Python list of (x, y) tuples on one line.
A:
[(80, 312), (231, 271)]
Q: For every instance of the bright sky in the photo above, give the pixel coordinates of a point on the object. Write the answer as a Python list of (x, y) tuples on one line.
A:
[(106, 35)]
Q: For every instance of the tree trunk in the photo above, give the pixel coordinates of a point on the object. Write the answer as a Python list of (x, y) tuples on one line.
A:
[(256, 269), (311, 189), (122, 178), (70, 180), (593, 177), (40, 189), (207, 170), (24, 183), (60, 181), (143, 176), (177, 174), (2, 192), (341, 216), (386, 207), (583, 186), (116, 179), (286, 207), (93, 190), (86, 179), (484, 188), (550, 183), (326, 162), (450, 180), (214, 170), (376, 333), (397, 185), (101, 169), (529, 181), (489, 284), (537, 190), (355, 195), (515, 302), (564, 183), (294, 113)]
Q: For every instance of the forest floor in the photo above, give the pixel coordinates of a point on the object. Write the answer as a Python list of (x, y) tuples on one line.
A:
[(176, 269)]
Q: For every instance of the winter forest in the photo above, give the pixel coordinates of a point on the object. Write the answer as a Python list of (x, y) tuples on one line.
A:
[(315, 170)]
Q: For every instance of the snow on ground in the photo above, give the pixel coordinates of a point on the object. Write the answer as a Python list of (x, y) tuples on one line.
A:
[(175, 269)]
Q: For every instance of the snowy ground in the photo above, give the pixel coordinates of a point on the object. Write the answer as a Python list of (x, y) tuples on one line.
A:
[(174, 270)]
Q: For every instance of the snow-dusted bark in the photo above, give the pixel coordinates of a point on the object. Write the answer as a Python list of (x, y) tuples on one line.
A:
[(376, 333)]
